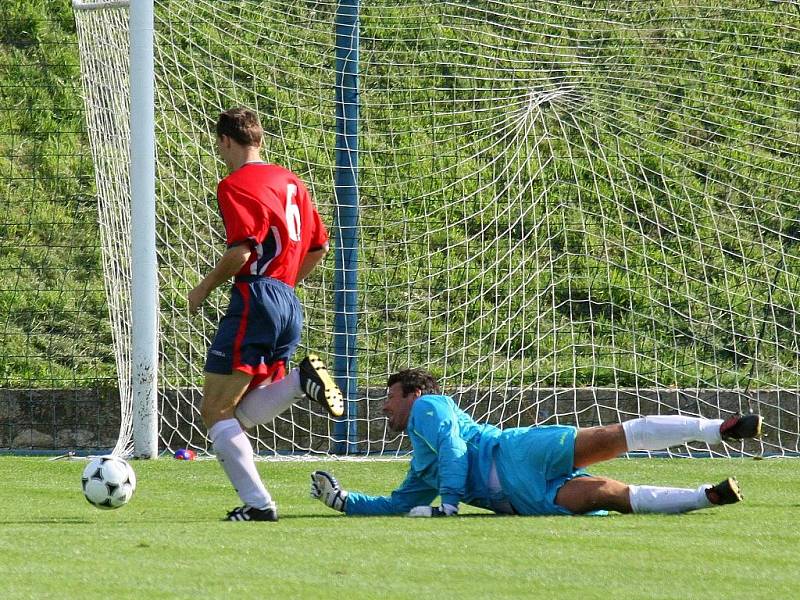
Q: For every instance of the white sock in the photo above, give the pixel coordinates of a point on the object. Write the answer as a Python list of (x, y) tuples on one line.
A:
[(663, 431), (262, 404), (651, 499), (235, 454)]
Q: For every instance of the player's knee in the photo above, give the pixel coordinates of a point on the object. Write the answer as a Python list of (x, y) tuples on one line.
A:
[(608, 494), (584, 495), (208, 415), (212, 412), (614, 495), (596, 444)]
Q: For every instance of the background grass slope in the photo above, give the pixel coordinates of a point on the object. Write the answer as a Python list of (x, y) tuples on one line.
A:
[(53, 321), (684, 276)]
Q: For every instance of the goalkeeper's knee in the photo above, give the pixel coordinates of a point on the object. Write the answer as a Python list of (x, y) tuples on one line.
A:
[(325, 488)]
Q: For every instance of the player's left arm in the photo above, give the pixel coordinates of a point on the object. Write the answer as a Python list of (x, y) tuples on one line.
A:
[(227, 266)]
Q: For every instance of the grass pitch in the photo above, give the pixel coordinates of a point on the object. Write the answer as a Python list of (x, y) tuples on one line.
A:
[(169, 543)]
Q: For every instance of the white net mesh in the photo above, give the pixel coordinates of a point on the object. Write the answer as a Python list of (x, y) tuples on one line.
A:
[(103, 45), (571, 212)]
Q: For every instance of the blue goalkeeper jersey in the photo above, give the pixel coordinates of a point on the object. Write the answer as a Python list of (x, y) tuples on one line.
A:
[(453, 457)]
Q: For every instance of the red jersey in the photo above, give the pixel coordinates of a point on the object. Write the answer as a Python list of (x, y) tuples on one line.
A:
[(269, 208)]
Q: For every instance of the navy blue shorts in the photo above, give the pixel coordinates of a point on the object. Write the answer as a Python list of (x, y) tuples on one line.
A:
[(261, 327)]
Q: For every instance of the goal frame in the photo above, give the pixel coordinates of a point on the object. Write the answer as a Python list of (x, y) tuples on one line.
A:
[(144, 267), (144, 261), (564, 239)]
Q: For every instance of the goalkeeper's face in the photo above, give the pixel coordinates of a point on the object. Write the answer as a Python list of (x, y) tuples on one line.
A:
[(398, 406)]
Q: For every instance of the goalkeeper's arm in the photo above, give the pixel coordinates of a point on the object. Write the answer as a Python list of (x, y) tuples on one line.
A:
[(412, 493)]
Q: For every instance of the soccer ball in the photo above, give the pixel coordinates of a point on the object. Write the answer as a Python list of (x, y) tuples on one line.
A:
[(108, 482)]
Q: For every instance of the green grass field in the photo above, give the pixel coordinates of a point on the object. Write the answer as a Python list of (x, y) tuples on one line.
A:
[(169, 543)]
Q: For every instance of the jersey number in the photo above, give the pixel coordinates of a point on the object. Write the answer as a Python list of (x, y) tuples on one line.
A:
[(292, 213)]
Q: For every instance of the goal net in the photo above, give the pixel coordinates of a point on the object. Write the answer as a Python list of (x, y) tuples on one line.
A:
[(570, 212)]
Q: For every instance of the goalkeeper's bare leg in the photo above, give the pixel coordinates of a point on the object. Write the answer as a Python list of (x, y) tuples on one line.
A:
[(221, 394), (586, 494), (596, 444)]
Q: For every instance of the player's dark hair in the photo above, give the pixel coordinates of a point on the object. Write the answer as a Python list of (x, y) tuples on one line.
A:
[(413, 380), (241, 125)]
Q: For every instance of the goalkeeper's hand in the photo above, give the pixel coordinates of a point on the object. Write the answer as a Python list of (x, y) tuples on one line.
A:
[(325, 488), (445, 510)]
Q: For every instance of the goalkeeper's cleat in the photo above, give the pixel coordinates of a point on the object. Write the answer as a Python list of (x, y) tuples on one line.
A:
[(318, 385), (740, 427), (725, 492), (248, 513)]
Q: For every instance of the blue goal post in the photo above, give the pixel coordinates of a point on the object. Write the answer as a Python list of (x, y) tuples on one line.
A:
[(345, 340)]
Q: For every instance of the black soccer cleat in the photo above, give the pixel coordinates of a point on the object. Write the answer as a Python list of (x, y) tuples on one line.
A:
[(725, 492), (248, 513), (741, 427), (318, 385)]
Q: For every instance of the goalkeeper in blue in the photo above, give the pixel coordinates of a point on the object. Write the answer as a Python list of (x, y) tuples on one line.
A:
[(526, 470)]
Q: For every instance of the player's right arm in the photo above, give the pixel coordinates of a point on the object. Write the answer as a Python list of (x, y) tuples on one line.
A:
[(435, 435), (412, 492), (227, 266), (242, 229)]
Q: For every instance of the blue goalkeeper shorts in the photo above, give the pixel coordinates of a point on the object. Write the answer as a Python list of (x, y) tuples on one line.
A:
[(533, 463)]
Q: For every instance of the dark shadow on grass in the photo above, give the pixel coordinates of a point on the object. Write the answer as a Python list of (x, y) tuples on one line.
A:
[(359, 517), (80, 521), (283, 517), (184, 520), (50, 521)]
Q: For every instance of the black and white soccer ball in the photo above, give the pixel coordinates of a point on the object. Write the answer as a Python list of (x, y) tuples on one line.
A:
[(108, 482)]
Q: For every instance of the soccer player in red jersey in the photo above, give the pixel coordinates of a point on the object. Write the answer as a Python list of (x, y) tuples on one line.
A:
[(275, 238)]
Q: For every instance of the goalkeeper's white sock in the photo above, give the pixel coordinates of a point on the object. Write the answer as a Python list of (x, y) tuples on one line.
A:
[(235, 454), (262, 404), (662, 431), (651, 499)]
